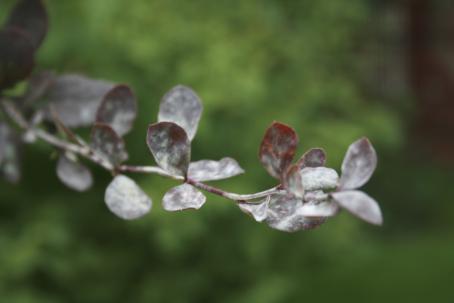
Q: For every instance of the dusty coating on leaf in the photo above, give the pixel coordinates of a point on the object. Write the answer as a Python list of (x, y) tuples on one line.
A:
[(74, 174), (284, 213), (16, 56), (106, 142), (319, 209), (210, 170), (125, 198), (360, 204), (314, 178), (170, 147), (293, 182), (9, 154), (76, 98), (30, 16), (118, 109), (256, 210), (314, 157), (359, 164), (278, 148), (183, 197), (182, 106)]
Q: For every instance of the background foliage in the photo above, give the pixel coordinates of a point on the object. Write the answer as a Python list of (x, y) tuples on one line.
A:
[(299, 62)]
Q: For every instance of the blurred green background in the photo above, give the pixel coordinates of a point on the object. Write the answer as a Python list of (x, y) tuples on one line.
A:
[(322, 67)]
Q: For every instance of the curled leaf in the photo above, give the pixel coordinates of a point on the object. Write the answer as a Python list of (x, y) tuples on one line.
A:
[(106, 142), (314, 178), (16, 57), (359, 164), (183, 197), (314, 157), (359, 204), (210, 170), (293, 182), (278, 148), (118, 109), (126, 199), (30, 16), (182, 106), (73, 173), (170, 147), (257, 210), (285, 214), (76, 98)]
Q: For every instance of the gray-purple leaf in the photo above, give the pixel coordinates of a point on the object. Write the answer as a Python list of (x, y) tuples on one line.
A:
[(359, 164), (314, 157), (73, 174), (77, 98), (118, 109), (170, 147), (319, 209), (183, 197), (182, 106), (360, 205), (106, 142), (126, 199), (210, 170), (257, 210), (9, 154), (314, 178), (285, 214)]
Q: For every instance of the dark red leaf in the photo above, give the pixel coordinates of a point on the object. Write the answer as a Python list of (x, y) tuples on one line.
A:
[(16, 57), (278, 148), (118, 109), (170, 147), (31, 17)]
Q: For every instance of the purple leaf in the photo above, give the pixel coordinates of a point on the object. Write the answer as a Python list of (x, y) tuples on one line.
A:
[(106, 142), (183, 197), (77, 98), (314, 178), (209, 170), (74, 174), (118, 109), (9, 154), (278, 148), (126, 199), (16, 57), (293, 182), (182, 106), (256, 210), (314, 157), (170, 147), (30, 16), (319, 209), (284, 213), (360, 205), (359, 164)]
